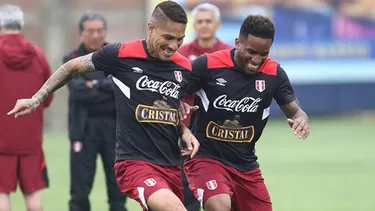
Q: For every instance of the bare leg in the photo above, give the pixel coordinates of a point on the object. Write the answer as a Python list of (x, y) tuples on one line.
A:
[(4, 202), (33, 201)]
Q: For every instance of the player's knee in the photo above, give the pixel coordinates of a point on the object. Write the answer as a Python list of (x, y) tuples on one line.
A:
[(165, 200), (34, 207), (220, 202), (33, 202), (4, 202), (166, 205), (174, 207)]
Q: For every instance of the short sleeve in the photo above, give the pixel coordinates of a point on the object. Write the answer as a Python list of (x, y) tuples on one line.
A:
[(106, 58), (284, 93), (197, 75)]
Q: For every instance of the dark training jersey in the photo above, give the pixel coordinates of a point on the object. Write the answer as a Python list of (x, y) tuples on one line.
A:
[(234, 106), (147, 94)]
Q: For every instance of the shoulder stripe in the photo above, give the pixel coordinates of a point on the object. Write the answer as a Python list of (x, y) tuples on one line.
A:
[(133, 49), (269, 67), (220, 59), (181, 61)]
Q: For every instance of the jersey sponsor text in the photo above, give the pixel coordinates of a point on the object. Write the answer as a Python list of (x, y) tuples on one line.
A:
[(166, 88), (237, 134), (155, 114), (245, 105)]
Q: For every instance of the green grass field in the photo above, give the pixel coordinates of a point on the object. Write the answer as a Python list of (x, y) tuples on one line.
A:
[(334, 170)]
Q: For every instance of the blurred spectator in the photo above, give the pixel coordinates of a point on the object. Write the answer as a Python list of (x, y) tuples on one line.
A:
[(23, 70), (92, 122)]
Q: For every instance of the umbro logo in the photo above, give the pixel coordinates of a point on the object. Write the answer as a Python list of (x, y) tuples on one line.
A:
[(221, 81), (137, 70)]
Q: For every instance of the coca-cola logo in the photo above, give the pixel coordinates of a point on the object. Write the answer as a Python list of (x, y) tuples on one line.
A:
[(245, 105), (166, 88)]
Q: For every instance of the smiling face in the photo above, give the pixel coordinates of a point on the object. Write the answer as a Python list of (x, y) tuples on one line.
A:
[(165, 38), (251, 52)]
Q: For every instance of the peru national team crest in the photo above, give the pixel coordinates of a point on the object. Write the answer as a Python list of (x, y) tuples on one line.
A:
[(211, 185), (178, 75), (150, 182), (260, 85)]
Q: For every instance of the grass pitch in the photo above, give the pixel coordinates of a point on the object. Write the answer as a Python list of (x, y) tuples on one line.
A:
[(333, 170)]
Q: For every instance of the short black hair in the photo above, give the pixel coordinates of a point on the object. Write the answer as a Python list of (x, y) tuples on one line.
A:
[(170, 10), (90, 15), (258, 26)]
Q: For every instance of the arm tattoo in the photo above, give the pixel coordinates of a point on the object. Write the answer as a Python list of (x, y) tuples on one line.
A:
[(88, 65), (64, 74)]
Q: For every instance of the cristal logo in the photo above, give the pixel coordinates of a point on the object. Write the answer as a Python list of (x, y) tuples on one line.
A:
[(166, 88), (245, 105)]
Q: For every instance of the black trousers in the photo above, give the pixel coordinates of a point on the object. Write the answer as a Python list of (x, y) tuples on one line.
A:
[(100, 139)]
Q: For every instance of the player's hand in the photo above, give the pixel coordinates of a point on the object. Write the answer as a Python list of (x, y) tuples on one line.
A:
[(300, 127), (24, 107), (185, 109), (192, 144)]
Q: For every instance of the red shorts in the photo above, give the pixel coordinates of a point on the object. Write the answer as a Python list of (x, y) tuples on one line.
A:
[(208, 177), (29, 171), (139, 179)]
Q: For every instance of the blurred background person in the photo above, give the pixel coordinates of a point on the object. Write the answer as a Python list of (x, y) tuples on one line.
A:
[(206, 21), (327, 48), (23, 70), (92, 121)]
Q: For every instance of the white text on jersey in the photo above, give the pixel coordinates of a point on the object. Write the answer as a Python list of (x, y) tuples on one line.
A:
[(166, 88), (245, 105)]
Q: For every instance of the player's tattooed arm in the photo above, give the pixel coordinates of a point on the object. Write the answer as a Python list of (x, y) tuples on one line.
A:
[(63, 75), (297, 119), (58, 79)]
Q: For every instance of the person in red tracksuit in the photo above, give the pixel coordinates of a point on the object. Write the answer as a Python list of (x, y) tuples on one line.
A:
[(23, 70), (206, 21)]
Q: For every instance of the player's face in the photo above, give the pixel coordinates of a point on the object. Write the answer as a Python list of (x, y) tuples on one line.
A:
[(251, 52), (93, 34), (206, 25), (165, 39)]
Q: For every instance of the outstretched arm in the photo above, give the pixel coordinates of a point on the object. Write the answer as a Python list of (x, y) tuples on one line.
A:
[(297, 119), (64, 74), (58, 79), (293, 110), (288, 102)]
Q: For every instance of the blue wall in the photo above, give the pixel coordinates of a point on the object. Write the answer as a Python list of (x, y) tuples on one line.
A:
[(331, 87)]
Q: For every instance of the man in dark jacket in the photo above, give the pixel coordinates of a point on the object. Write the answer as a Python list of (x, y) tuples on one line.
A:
[(23, 70), (92, 121)]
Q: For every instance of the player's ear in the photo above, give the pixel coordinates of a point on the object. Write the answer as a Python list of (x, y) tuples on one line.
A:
[(150, 28), (218, 25), (237, 43)]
